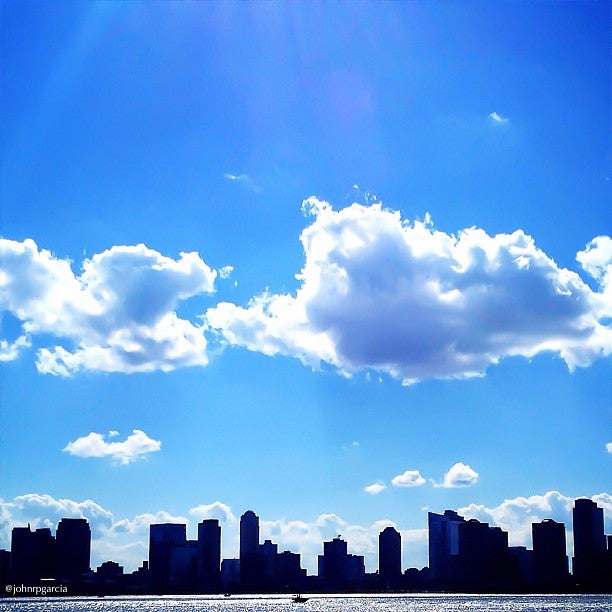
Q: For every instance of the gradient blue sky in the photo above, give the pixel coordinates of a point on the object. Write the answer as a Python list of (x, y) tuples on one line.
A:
[(201, 128)]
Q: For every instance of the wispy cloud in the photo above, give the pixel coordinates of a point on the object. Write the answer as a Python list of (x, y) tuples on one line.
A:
[(459, 475), (497, 118), (245, 179), (375, 488), (609, 447), (410, 478), (135, 446)]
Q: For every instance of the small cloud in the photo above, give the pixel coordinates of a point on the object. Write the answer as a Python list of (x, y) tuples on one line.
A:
[(353, 444), (113, 433), (375, 489), (609, 447), (244, 179), (236, 177), (460, 475), (313, 207), (410, 478), (225, 271), (216, 510), (497, 118), (134, 447)]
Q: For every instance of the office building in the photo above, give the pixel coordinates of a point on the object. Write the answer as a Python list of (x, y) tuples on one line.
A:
[(251, 569), (389, 558), (209, 555), (73, 546), (164, 540), (589, 562), (443, 530), (549, 556)]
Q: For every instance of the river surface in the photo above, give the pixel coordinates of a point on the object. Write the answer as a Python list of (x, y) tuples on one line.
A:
[(426, 602)]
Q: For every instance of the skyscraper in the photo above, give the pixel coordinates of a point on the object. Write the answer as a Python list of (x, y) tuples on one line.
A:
[(250, 559), (209, 553), (389, 557), (549, 556), (73, 546), (164, 541), (589, 563), (443, 532), (332, 564), (22, 554)]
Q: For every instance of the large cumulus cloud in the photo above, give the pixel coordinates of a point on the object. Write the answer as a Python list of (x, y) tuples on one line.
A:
[(414, 302), (117, 315)]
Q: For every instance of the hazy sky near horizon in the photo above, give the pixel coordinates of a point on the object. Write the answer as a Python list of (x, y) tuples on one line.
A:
[(338, 263)]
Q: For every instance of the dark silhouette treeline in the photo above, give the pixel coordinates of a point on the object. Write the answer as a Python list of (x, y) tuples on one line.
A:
[(464, 556)]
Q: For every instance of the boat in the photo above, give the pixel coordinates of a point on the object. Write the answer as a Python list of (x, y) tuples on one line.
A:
[(299, 599)]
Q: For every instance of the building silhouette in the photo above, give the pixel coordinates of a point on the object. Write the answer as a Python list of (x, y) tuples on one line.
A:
[(443, 530), (389, 558), (549, 556), (165, 539), (337, 568), (465, 555), (590, 551), (73, 546), (251, 565), (209, 555), (522, 561), (23, 554)]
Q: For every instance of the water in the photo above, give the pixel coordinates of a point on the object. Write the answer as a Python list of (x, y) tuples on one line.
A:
[(319, 603)]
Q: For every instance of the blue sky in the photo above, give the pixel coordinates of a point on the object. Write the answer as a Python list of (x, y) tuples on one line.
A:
[(267, 255)]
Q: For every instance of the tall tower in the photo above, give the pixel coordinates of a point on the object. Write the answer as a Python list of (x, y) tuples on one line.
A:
[(389, 557), (73, 546), (209, 553), (589, 544), (249, 533), (251, 570)]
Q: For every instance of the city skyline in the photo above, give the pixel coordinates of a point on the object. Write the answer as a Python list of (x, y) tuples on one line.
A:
[(346, 264), (464, 555), (516, 517)]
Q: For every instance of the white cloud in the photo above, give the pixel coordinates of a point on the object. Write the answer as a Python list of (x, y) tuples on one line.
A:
[(459, 475), (497, 118), (410, 478), (117, 315), (217, 510), (139, 525), (42, 510), (405, 299), (135, 446), (596, 260), (375, 488), (609, 447), (11, 350), (225, 271)]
